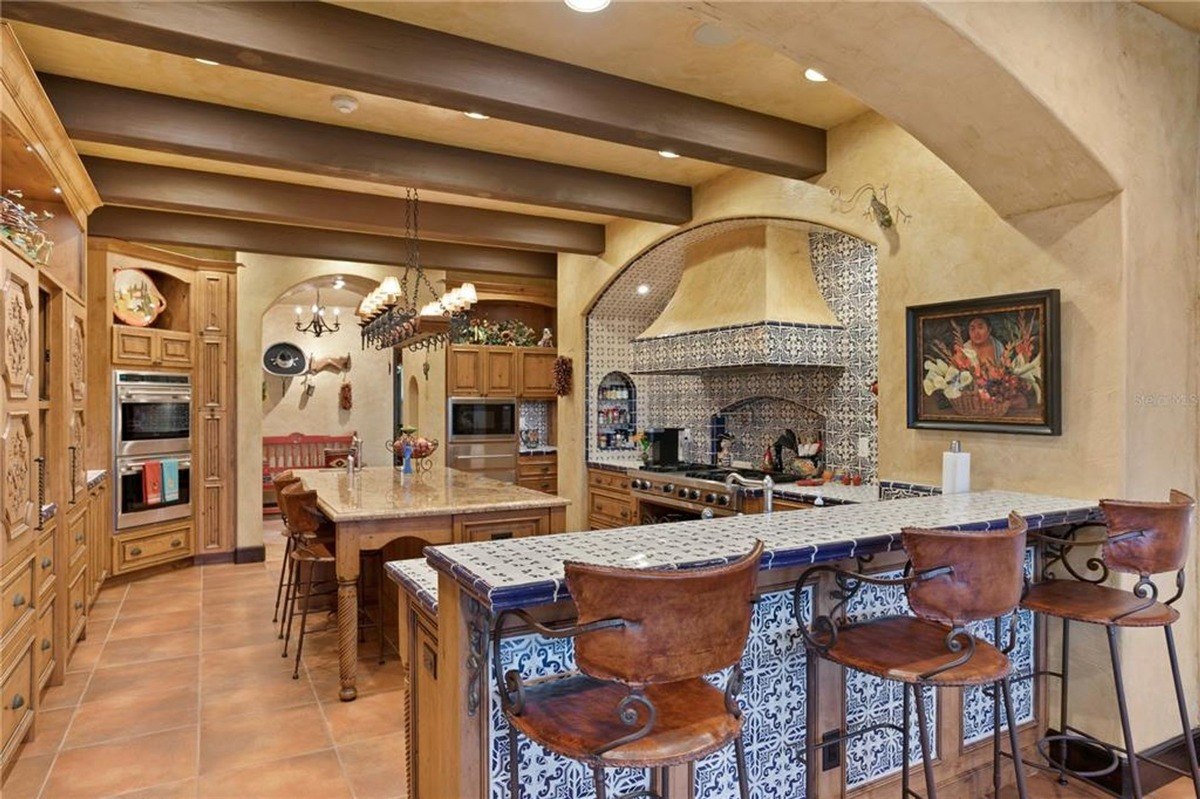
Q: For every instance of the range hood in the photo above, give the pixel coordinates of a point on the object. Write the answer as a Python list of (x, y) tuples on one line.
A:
[(747, 298)]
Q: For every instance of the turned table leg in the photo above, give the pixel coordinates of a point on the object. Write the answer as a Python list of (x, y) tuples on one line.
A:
[(347, 616)]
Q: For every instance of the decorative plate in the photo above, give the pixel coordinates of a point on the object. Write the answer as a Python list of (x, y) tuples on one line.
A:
[(136, 300), (285, 359)]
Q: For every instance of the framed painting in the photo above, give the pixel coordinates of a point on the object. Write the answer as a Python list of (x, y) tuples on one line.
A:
[(990, 364)]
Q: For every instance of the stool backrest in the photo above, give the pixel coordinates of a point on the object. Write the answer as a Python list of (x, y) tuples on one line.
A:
[(679, 624), (987, 572), (294, 503), (281, 480), (1166, 532)]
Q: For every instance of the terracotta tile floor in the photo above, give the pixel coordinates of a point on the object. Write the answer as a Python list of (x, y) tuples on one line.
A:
[(179, 691)]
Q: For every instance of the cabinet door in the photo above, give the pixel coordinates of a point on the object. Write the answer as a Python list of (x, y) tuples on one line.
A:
[(212, 308), (74, 457), (19, 444), (537, 373), (464, 372), (175, 349), (213, 483), (134, 346), (76, 352), (500, 372), (213, 391)]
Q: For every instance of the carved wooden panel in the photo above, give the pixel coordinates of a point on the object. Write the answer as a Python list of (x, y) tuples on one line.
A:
[(212, 373), (214, 448), (77, 354), (17, 449), (214, 292), (19, 339), (212, 516)]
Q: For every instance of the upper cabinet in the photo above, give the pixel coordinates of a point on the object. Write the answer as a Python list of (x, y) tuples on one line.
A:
[(479, 371)]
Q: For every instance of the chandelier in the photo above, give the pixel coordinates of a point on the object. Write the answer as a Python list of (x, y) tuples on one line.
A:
[(317, 324), (391, 315)]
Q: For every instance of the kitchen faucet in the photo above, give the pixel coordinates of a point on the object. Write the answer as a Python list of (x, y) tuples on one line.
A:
[(766, 484), (354, 459)]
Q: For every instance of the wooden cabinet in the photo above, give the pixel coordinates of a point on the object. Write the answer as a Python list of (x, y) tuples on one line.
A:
[(99, 526), (138, 346), (537, 373), (610, 502), (77, 607), (500, 525), (16, 701), (20, 444), (539, 472), (44, 648), (213, 301), (216, 454), (523, 372), (77, 532), (423, 700), (152, 545)]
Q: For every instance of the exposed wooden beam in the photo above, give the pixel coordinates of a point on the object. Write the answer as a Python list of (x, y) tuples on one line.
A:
[(167, 189), (162, 227), (100, 113), (340, 47)]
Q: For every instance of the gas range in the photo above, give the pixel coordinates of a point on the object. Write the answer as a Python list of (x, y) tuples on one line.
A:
[(679, 488)]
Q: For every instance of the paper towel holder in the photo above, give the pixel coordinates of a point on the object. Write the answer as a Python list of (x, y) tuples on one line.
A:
[(956, 446)]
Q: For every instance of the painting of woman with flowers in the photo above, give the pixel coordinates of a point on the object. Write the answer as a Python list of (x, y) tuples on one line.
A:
[(986, 364)]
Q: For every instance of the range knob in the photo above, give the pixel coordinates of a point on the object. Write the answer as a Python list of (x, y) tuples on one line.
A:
[(693, 494), (642, 484), (669, 488), (710, 498), (683, 492), (722, 500)]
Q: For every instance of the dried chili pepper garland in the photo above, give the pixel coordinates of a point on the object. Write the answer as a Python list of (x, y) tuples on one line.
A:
[(562, 376)]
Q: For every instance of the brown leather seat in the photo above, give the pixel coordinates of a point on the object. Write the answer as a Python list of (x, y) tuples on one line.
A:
[(692, 721), (1095, 604), (904, 648)]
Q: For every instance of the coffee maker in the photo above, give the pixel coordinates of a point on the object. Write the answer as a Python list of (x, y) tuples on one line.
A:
[(664, 446)]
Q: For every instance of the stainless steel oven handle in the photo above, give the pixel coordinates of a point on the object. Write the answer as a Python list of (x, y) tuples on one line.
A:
[(483, 457), (141, 467), (142, 399)]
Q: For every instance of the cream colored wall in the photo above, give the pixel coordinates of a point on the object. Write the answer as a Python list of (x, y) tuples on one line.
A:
[(260, 283), (289, 409)]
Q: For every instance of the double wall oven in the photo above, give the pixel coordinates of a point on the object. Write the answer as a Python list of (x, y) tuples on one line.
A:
[(152, 423)]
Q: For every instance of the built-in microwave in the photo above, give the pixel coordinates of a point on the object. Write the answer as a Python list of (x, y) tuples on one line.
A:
[(152, 413), (482, 436)]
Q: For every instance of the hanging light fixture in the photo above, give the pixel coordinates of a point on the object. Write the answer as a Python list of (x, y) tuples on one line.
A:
[(393, 315), (317, 324)]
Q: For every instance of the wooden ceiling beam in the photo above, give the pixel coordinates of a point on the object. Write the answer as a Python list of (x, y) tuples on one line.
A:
[(162, 227), (126, 183), (96, 112), (325, 44)]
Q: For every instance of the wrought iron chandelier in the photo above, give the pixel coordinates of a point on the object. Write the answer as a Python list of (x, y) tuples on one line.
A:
[(392, 316), (317, 325)]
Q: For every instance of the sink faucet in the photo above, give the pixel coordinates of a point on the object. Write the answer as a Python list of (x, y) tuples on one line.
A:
[(354, 459), (766, 484)]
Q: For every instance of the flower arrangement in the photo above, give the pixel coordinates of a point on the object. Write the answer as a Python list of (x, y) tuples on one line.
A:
[(988, 373), (509, 333)]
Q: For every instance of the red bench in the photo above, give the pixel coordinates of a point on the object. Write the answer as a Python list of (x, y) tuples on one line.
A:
[(297, 451)]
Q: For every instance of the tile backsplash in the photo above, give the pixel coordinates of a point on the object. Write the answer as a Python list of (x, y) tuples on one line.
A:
[(535, 415), (759, 403)]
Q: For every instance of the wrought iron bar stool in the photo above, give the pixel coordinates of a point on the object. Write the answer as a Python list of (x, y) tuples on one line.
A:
[(280, 481), (952, 578), (644, 641), (1142, 538)]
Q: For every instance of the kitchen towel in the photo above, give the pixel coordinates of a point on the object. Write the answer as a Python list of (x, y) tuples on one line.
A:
[(152, 482), (170, 480)]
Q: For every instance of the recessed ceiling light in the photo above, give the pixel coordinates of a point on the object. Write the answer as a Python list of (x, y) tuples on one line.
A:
[(668, 153), (814, 76), (344, 103), (57, 190), (643, 289), (338, 282), (711, 34), (587, 6), (28, 148), (475, 115), (208, 62)]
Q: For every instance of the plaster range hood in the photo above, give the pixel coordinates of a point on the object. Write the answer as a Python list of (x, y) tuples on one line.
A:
[(747, 298)]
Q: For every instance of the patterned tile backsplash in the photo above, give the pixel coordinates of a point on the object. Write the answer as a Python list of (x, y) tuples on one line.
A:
[(759, 403), (535, 415)]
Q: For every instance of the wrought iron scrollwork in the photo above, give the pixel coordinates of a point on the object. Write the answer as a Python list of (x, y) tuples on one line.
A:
[(477, 657), (627, 711), (1057, 550), (733, 689)]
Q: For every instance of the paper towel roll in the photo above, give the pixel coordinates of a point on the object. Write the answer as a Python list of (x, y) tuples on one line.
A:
[(956, 472)]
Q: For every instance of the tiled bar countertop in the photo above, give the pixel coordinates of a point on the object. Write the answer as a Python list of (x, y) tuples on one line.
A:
[(382, 492), (527, 572)]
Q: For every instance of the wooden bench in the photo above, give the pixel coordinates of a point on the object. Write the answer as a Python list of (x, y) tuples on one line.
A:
[(296, 451)]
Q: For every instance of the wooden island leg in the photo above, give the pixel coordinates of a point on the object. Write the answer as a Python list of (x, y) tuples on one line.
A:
[(347, 614)]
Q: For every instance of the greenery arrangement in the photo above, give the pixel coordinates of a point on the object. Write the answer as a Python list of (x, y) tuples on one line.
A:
[(510, 333)]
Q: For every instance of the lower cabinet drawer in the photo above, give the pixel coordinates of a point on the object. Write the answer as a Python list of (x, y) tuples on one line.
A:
[(45, 567), (610, 508), (43, 647), (601, 478), (77, 605), (548, 485), (16, 698), (16, 595), (158, 545), (77, 527)]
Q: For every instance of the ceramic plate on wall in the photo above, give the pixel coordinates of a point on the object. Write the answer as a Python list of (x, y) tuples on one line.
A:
[(285, 359), (136, 300)]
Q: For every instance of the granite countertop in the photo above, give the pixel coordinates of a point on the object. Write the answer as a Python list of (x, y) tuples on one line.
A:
[(382, 492), (48, 511), (527, 572), (615, 467), (94, 476), (416, 577)]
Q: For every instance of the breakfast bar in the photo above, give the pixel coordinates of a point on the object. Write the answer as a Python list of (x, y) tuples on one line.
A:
[(459, 731), (373, 506)]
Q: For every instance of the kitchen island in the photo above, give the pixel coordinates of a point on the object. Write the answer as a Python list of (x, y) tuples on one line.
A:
[(458, 738), (375, 506)]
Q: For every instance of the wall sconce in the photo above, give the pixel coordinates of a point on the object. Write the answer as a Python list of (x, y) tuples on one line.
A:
[(877, 206)]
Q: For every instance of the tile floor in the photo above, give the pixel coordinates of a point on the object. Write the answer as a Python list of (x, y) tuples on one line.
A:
[(179, 691)]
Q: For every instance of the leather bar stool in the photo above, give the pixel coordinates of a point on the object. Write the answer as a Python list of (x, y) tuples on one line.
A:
[(644, 640), (280, 481), (1142, 538), (952, 578)]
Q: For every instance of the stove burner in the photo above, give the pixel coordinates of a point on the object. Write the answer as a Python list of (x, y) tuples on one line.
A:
[(720, 473)]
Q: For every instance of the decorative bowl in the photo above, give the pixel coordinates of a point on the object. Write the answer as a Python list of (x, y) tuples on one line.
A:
[(136, 300)]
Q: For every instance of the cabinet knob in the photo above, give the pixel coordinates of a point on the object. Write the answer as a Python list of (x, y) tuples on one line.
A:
[(18, 600), (79, 604), (47, 563), (17, 703), (135, 551), (46, 644), (176, 543), (79, 538)]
